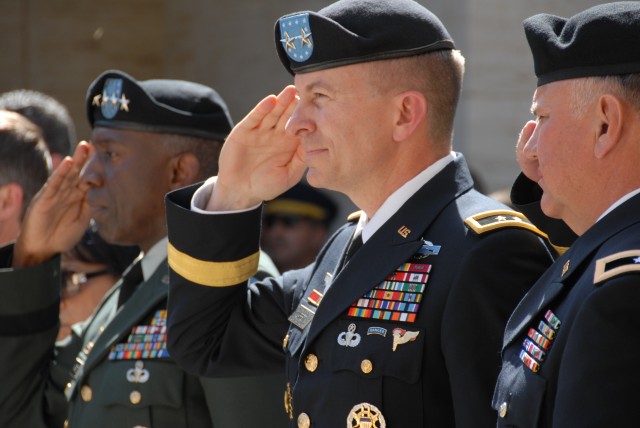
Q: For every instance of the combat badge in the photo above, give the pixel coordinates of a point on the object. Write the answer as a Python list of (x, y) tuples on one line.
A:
[(427, 249), (138, 374), (365, 415), (401, 336), (349, 338), (295, 35)]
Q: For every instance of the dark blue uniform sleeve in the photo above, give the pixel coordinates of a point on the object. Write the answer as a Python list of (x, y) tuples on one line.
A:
[(33, 372), (216, 328)]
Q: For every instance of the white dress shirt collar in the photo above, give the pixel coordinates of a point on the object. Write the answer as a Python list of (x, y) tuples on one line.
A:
[(393, 203)]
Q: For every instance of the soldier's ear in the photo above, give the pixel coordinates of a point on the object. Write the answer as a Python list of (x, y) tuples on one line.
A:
[(11, 200), (609, 124), (411, 107), (185, 168)]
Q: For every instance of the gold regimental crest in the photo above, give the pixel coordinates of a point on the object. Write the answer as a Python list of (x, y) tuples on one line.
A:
[(365, 415)]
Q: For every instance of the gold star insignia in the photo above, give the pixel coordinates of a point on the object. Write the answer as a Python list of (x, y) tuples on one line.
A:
[(306, 38), (96, 100), (124, 103), (289, 41), (114, 100), (105, 99), (501, 218)]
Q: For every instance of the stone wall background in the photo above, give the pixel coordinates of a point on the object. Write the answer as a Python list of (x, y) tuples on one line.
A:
[(60, 46)]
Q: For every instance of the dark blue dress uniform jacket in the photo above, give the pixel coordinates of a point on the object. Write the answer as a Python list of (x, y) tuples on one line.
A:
[(584, 315), (35, 374), (444, 377)]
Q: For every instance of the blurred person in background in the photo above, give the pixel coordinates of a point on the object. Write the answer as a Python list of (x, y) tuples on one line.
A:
[(56, 125), (148, 137), (295, 225), (89, 270), (24, 167)]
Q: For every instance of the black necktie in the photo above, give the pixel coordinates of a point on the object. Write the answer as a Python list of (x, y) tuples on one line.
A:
[(354, 245), (131, 278)]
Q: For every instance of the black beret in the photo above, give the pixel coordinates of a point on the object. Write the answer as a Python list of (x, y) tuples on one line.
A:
[(117, 100), (354, 31), (599, 41), (304, 201)]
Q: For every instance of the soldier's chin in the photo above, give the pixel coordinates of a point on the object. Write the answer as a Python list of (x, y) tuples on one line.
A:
[(550, 207), (317, 179), (104, 232), (313, 177)]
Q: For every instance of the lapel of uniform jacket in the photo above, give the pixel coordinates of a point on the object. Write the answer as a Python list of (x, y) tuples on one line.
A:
[(144, 299), (388, 248), (561, 274), (537, 299)]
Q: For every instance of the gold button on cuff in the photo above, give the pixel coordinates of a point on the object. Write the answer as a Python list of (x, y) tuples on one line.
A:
[(503, 410), (135, 397), (366, 366), (86, 393), (66, 423), (311, 362), (304, 421)]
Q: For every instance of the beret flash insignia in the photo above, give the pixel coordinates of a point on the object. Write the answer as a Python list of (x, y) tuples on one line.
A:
[(295, 35)]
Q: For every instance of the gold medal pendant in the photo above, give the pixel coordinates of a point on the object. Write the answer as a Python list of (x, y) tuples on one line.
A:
[(365, 415)]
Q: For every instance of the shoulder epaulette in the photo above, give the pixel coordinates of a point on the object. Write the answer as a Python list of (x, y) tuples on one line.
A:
[(496, 219), (354, 217), (616, 264)]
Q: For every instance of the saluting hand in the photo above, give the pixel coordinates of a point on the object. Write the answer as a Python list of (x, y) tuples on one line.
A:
[(259, 160), (525, 153), (58, 215)]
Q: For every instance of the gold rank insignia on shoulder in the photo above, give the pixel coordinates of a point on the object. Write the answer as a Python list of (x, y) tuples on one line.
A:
[(354, 217), (497, 219), (616, 264)]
